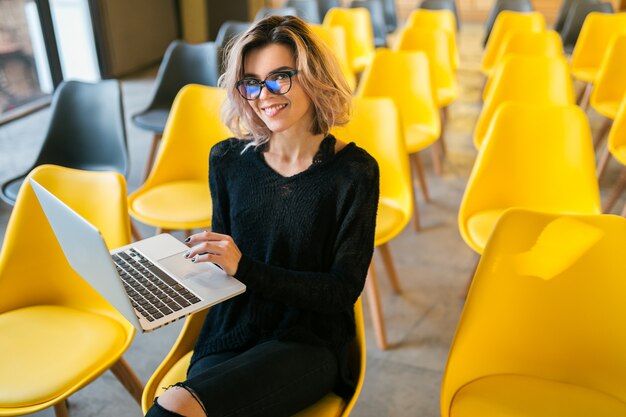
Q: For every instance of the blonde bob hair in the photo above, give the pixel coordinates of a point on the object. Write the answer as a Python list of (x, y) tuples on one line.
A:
[(319, 76)]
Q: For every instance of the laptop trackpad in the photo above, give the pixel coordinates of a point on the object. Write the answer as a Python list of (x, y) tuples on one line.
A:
[(204, 275)]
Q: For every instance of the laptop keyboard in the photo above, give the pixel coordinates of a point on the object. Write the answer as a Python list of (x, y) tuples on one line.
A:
[(153, 293)]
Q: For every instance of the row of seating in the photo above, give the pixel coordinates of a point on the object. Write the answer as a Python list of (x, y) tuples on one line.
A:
[(531, 209)]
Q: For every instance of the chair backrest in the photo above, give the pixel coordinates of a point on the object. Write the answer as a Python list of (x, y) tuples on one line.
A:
[(193, 127), (404, 76), (535, 156), (335, 39), (307, 10), (359, 34), (526, 79), (228, 30), (505, 22), (275, 11), (391, 15), (377, 19), (375, 126), (175, 364), (325, 5), (521, 42), (617, 134), (564, 10), (184, 63), (437, 19), (576, 18), (46, 277), (595, 36), (86, 128), (501, 5), (442, 5), (436, 44), (547, 301), (610, 85)]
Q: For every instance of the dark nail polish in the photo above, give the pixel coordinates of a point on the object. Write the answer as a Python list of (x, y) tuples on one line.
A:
[(187, 240), (187, 255), (193, 259)]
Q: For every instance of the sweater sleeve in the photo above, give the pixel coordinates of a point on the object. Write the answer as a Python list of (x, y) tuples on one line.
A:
[(337, 289), (219, 195)]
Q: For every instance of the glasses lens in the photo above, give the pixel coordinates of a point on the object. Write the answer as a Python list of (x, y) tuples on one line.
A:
[(278, 83), (250, 89)]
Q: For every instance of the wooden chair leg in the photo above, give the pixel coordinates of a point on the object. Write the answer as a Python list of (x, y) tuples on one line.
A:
[(61, 409), (416, 213), (134, 232), (385, 254), (615, 192), (418, 170), (156, 139), (373, 298), (606, 126), (128, 379), (604, 162), (445, 116), (585, 95)]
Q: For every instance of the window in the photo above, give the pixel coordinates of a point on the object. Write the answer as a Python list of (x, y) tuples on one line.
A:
[(29, 67)]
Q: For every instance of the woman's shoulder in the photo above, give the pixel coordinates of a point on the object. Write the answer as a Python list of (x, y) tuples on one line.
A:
[(357, 160), (228, 148)]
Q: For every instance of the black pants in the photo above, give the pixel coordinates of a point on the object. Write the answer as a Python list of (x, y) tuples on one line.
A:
[(271, 379)]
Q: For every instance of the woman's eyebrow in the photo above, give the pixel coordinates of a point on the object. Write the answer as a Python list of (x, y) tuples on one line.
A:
[(275, 70)]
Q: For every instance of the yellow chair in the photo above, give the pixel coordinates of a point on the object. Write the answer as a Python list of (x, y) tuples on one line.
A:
[(405, 78), (535, 156), (438, 19), (176, 194), (375, 126), (335, 38), (541, 334), (173, 369), (506, 22), (593, 42), (528, 79), (610, 84), (359, 34), (516, 42), (435, 43), (58, 334), (616, 147)]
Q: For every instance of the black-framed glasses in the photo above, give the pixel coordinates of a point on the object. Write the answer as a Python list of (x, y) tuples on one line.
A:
[(278, 83)]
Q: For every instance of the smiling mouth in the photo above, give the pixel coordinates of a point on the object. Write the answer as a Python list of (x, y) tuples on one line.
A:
[(273, 110)]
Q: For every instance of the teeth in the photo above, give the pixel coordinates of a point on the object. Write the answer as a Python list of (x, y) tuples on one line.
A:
[(273, 110)]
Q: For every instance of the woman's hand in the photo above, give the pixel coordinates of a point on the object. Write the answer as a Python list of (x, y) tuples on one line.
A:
[(214, 247)]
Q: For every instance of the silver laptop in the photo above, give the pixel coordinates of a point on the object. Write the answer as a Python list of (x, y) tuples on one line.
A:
[(149, 282)]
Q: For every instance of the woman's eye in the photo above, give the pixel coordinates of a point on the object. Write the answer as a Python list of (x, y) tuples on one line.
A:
[(252, 83), (280, 76)]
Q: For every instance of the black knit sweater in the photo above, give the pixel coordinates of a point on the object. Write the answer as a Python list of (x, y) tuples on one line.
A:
[(307, 241)]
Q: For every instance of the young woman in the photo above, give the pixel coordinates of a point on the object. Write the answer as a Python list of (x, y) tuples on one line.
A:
[(294, 212)]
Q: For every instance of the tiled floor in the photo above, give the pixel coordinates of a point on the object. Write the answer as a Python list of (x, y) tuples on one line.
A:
[(434, 266)]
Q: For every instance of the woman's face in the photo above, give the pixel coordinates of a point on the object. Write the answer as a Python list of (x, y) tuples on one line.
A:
[(291, 113)]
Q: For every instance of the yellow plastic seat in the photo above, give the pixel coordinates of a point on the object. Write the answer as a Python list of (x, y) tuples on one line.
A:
[(516, 42), (535, 156), (617, 148), (527, 79), (506, 22), (438, 19), (375, 126), (174, 368), (594, 40), (176, 194), (436, 44), (359, 34), (541, 332), (335, 38), (58, 334), (610, 84), (404, 77)]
